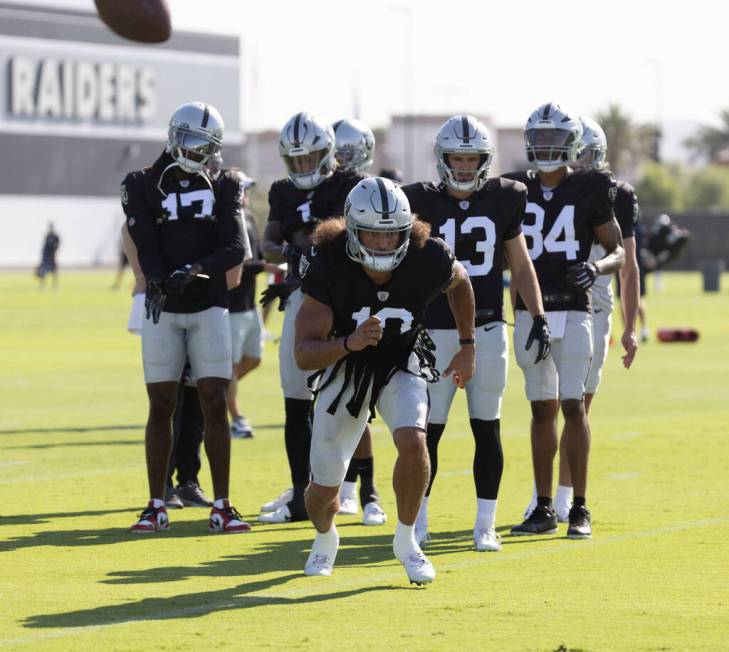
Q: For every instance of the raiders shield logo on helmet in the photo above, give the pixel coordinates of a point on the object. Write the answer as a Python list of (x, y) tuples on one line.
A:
[(303, 266)]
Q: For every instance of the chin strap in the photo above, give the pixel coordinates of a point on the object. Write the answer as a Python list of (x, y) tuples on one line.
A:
[(201, 173)]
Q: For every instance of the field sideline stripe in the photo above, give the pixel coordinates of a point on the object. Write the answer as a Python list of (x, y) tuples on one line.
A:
[(337, 583)]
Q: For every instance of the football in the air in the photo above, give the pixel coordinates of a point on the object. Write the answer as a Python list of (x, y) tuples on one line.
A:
[(146, 21)]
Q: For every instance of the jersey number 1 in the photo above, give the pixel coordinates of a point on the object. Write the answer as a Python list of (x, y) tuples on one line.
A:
[(205, 198), (484, 246), (405, 317)]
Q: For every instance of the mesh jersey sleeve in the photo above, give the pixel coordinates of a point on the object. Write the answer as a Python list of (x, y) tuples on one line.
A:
[(142, 226), (513, 228), (627, 210), (604, 192), (314, 277)]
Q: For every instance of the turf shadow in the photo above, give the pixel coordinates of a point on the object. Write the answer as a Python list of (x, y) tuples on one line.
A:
[(115, 442), (101, 536), (33, 519), (193, 605), (290, 555), (30, 431)]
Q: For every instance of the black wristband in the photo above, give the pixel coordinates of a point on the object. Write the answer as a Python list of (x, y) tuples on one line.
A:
[(344, 344), (466, 340)]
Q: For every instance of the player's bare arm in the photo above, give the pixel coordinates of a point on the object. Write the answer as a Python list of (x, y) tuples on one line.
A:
[(314, 347), (523, 275), (272, 243), (630, 298), (461, 302), (609, 236)]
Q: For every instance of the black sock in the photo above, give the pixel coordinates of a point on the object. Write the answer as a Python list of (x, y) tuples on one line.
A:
[(297, 436), (544, 501), (579, 501), (488, 458), (433, 435), (367, 490), (352, 471)]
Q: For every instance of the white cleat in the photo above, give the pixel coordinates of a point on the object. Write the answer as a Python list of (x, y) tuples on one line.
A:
[(284, 498), (319, 564), (422, 537), (281, 515), (563, 512), (420, 571), (348, 505), (530, 508), (486, 539), (373, 514)]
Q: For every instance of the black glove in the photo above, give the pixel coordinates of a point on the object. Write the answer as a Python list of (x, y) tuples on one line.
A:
[(581, 276), (539, 333), (179, 280), (292, 254), (154, 299), (280, 291)]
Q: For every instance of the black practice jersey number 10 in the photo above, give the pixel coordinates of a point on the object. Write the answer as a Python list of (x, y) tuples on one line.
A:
[(485, 246)]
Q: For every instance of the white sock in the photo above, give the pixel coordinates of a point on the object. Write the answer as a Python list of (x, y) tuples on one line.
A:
[(422, 520), (485, 513), (404, 541), (218, 504), (157, 503), (326, 543), (563, 495), (348, 490)]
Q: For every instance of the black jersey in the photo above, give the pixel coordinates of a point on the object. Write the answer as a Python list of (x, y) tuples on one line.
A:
[(475, 229), (188, 222), (559, 229), (331, 277), (295, 208), (627, 209), (243, 298)]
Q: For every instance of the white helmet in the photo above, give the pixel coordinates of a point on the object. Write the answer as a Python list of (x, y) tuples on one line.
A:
[(594, 150), (553, 131), (463, 134), (195, 134), (377, 204), (306, 146), (354, 145)]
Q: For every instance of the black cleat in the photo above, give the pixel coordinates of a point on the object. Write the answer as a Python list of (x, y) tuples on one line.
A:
[(192, 496), (543, 520), (172, 499), (580, 523)]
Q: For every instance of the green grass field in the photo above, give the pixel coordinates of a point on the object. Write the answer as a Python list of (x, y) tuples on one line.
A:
[(72, 478)]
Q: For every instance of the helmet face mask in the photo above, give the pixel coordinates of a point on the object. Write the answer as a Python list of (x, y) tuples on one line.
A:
[(460, 136), (306, 146), (354, 145), (375, 211), (195, 134), (553, 138)]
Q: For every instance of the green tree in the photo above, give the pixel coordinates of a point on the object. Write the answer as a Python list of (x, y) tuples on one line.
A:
[(629, 143), (712, 142), (660, 186), (708, 188)]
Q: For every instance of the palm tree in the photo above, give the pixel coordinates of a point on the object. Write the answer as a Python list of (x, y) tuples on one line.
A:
[(628, 143), (712, 142)]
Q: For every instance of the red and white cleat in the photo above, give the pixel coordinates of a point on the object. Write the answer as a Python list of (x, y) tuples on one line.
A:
[(152, 519), (227, 519)]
